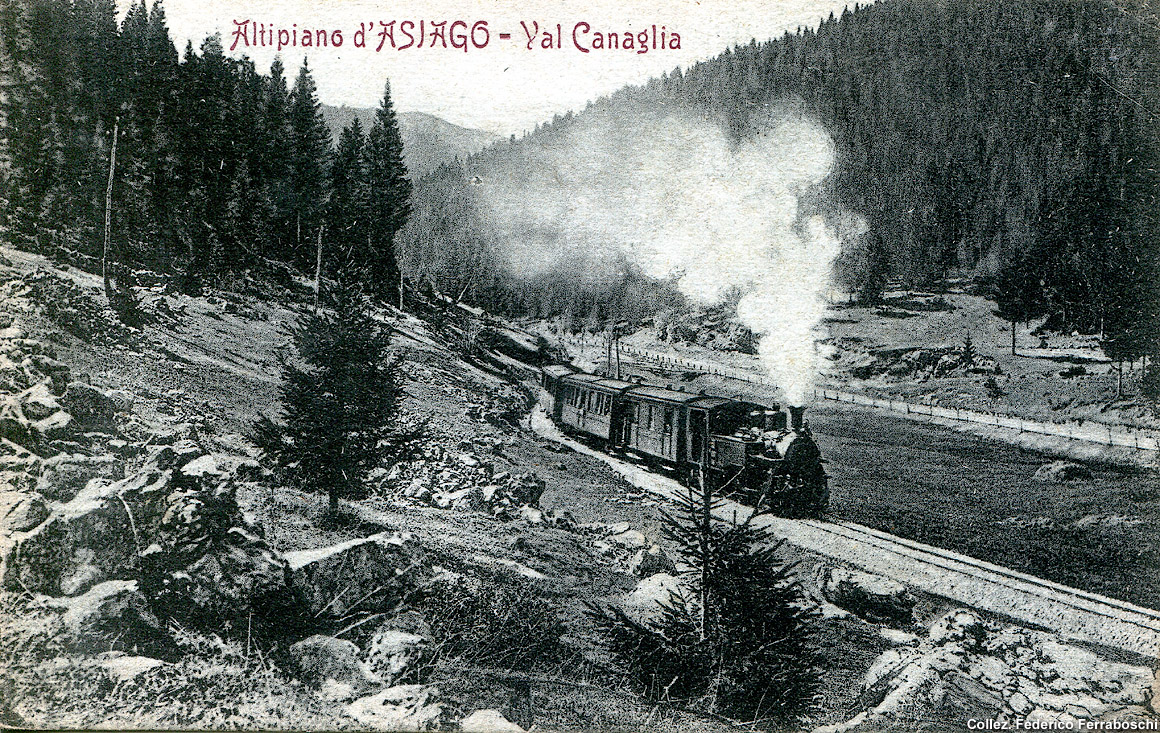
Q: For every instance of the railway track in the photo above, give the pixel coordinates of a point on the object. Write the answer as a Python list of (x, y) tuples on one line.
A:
[(1073, 614)]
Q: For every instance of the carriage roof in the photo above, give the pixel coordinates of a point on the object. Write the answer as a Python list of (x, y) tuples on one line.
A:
[(663, 395), (558, 370), (595, 381)]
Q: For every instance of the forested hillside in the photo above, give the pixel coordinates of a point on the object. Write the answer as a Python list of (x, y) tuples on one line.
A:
[(198, 165), (1014, 143)]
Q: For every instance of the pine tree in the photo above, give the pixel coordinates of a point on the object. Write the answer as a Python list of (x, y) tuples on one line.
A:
[(1018, 292), (739, 640), (347, 217), (274, 171), (389, 193), (309, 149), (340, 402)]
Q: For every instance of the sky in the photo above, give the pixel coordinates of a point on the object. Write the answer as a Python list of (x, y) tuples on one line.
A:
[(504, 87)]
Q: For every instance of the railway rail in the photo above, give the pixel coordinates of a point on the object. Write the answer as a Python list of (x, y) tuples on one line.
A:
[(1073, 614)]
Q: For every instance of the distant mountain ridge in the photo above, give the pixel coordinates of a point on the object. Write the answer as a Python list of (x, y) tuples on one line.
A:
[(427, 140)]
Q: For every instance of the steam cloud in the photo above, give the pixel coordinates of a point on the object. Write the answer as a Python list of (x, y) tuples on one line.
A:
[(680, 200)]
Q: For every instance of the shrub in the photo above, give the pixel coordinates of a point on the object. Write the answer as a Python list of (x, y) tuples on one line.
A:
[(502, 623), (739, 642)]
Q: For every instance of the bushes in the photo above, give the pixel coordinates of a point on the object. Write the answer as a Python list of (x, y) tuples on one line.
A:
[(738, 642), (501, 624)]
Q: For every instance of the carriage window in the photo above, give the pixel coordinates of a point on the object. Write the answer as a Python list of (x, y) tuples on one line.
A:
[(668, 421), (649, 420)]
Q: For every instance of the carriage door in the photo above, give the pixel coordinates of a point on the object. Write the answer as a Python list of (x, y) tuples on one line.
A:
[(667, 447), (631, 412), (698, 430)]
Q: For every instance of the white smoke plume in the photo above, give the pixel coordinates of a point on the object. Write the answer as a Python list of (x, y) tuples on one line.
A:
[(680, 200)]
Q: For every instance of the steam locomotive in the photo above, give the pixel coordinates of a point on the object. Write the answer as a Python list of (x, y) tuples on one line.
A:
[(762, 456)]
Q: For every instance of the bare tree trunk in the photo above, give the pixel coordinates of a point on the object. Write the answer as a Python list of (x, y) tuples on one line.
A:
[(616, 335), (109, 210), (318, 270), (706, 540), (1013, 325)]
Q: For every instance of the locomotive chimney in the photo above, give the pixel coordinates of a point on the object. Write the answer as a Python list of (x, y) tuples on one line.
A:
[(796, 417)]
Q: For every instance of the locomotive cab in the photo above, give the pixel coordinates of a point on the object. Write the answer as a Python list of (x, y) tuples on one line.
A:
[(766, 456)]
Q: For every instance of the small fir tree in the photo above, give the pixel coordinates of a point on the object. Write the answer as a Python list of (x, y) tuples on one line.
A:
[(340, 404), (738, 641)]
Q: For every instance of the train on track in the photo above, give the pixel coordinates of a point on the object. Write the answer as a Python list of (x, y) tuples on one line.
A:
[(761, 455)]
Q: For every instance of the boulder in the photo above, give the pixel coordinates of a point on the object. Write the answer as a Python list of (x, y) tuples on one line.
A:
[(56, 426), (968, 668), (395, 655), (651, 596), (363, 574), (651, 561), (114, 615), (1061, 471), (63, 476), (961, 626), (38, 402), (399, 708), (629, 539), (123, 668), (872, 597), (20, 511), (57, 371), (84, 542), (525, 488), (14, 426), (123, 400), (316, 659), (89, 405), (488, 721)]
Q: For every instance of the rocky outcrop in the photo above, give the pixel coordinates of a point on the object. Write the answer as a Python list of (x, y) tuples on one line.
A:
[(872, 597), (320, 659), (365, 574), (461, 479), (63, 476), (173, 524), (114, 615), (399, 708), (650, 561), (651, 596), (86, 541), (970, 669), (1062, 471), (488, 721)]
